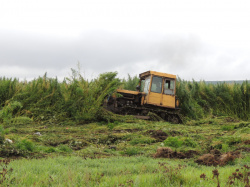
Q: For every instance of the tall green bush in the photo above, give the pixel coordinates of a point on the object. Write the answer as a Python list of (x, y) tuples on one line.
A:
[(199, 99), (81, 99), (131, 82), (46, 98)]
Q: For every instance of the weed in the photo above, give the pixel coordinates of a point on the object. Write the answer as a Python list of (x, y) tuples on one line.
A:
[(171, 174), (50, 150), (111, 126), (65, 148), (25, 145), (243, 125), (173, 142), (10, 110), (234, 140), (225, 147), (216, 175), (130, 151), (227, 127), (5, 172), (21, 120), (190, 142), (144, 140), (239, 177), (144, 171)]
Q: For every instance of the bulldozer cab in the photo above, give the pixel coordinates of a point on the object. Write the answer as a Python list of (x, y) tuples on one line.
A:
[(159, 89)]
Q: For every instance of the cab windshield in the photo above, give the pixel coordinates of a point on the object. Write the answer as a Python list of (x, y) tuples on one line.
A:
[(145, 85), (156, 84)]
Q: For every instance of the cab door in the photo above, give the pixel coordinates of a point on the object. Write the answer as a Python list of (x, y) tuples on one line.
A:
[(155, 95), (168, 96)]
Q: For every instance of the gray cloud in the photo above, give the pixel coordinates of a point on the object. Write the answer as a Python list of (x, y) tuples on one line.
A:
[(179, 51), (100, 51), (94, 50)]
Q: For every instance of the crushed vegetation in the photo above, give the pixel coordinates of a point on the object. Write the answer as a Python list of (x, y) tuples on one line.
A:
[(166, 152), (215, 157), (159, 135), (204, 142)]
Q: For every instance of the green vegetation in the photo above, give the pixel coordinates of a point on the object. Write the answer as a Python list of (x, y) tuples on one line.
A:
[(199, 100), (79, 99), (48, 99), (130, 83), (116, 171), (78, 154), (62, 136), (173, 142), (137, 138)]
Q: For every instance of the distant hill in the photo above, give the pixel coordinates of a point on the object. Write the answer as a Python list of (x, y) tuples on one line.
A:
[(229, 82)]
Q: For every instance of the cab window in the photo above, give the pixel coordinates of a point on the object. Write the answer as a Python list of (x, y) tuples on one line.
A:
[(169, 86), (145, 84), (156, 84)]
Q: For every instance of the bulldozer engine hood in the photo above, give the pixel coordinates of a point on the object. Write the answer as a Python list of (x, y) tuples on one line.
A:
[(129, 92)]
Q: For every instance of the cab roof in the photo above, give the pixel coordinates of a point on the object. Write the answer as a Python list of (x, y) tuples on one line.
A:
[(147, 73)]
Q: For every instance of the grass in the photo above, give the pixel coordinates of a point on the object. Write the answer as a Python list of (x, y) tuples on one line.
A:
[(173, 142), (54, 138), (74, 154), (115, 171)]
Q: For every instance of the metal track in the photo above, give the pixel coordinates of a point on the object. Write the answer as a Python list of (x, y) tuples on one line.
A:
[(171, 115)]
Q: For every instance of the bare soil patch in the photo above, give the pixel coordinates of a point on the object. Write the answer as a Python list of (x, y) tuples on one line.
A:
[(126, 130), (245, 149), (166, 152), (247, 142), (159, 135), (230, 119), (215, 158)]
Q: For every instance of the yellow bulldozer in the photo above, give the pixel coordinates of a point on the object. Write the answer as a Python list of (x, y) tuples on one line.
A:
[(156, 93)]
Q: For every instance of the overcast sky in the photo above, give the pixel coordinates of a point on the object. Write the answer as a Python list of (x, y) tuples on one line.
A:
[(194, 39)]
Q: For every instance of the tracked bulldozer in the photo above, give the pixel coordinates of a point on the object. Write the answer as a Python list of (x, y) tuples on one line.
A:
[(156, 94)]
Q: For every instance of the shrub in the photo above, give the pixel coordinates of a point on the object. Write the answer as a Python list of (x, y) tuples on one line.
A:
[(10, 110), (200, 99), (80, 99), (130, 83)]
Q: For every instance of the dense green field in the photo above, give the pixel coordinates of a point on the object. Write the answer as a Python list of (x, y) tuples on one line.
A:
[(58, 134), (117, 171)]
